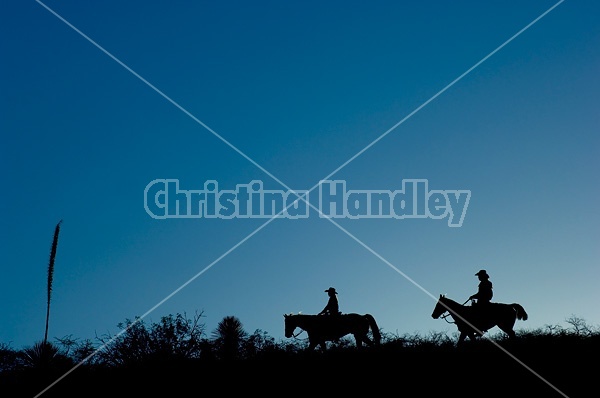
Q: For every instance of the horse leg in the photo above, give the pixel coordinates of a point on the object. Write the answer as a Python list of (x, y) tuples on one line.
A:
[(359, 341), (508, 328), (312, 344), (363, 339)]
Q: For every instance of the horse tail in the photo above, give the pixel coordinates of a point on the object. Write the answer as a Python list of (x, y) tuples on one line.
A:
[(374, 329), (520, 311)]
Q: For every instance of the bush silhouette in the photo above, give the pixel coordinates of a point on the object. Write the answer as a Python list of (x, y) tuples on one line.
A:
[(173, 337)]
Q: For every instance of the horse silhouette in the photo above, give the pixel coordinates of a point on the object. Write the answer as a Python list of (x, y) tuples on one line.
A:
[(323, 328), (473, 321)]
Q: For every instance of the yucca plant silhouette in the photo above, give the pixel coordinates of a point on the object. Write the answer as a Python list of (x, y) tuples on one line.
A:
[(51, 277), (44, 354), (229, 336), (41, 355)]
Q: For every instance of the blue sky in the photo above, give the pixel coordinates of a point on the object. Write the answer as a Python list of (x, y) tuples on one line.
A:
[(299, 88)]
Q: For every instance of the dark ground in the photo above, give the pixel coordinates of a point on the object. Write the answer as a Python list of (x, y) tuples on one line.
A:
[(479, 369)]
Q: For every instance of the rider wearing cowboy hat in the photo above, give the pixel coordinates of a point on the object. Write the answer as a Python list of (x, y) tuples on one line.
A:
[(332, 307), (484, 293)]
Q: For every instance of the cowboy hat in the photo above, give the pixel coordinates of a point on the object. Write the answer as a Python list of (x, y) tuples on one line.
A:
[(332, 290), (482, 272)]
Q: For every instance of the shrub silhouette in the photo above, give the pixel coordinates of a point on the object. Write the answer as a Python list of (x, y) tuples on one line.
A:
[(10, 359), (173, 337)]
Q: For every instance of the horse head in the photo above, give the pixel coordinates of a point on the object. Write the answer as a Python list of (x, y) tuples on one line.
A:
[(290, 325), (440, 307)]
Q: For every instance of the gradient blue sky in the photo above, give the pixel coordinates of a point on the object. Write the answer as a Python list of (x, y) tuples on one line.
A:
[(299, 87)]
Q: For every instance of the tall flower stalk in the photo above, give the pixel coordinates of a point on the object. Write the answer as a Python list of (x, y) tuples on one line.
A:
[(51, 276)]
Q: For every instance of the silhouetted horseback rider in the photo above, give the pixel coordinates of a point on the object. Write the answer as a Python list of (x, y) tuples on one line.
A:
[(484, 292), (332, 307)]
